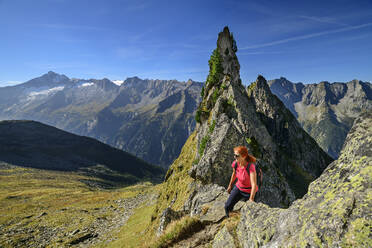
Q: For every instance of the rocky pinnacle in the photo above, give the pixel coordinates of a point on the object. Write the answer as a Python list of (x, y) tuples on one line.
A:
[(231, 115)]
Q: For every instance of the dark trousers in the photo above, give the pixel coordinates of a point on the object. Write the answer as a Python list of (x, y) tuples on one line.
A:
[(235, 196)]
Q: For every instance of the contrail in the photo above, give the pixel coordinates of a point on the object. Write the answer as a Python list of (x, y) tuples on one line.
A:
[(308, 36)]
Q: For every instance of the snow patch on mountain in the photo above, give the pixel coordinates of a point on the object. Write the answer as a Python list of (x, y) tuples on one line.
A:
[(118, 82), (86, 84), (46, 91)]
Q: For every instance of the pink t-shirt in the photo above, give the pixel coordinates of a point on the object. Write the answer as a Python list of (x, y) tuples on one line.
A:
[(244, 180)]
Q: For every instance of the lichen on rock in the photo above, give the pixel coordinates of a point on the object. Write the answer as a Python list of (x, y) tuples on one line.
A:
[(334, 213)]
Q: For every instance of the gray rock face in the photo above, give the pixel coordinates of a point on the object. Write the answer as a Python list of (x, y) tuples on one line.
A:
[(231, 116), (223, 239), (298, 155), (325, 110), (334, 213), (226, 48)]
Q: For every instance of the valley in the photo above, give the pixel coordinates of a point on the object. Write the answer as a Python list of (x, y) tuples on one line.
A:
[(42, 208)]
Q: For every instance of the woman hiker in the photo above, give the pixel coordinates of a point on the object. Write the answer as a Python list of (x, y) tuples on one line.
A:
[(244, 170)]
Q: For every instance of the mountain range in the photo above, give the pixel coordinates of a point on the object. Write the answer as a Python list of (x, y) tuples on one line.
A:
[(325, 110), (153, 118), (148, 118)]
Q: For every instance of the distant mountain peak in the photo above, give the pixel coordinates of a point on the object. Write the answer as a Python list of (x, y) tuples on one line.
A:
[(132, 78), (52, 73), (50, 79), (262, 83), (325, 110), (56, 76)]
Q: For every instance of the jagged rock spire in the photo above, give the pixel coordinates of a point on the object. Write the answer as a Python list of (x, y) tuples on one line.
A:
[(226, 46), (231, 116)]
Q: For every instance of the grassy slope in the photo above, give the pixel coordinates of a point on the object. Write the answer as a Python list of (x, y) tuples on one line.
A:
[(177, 180), (141, 227), (135, 233), (68, 203)]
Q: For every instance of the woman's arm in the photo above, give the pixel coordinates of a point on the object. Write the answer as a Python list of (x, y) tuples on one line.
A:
[(232, 180), (253, 177)]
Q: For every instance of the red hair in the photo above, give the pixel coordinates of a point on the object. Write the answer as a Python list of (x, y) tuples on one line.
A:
[(243, 151)]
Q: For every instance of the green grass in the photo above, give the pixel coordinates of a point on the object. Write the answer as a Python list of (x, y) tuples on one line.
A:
[(136, 232), (215, 69), (177, 230), (69, 204), (212, 126), (177, 185), (203, 144)]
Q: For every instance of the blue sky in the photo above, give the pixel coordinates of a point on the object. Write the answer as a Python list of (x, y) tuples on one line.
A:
[(304, 41)]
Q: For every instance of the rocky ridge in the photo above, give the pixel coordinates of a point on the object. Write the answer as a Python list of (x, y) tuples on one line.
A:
[(295, 153), (230, 115), (334, 213), (325, 110)]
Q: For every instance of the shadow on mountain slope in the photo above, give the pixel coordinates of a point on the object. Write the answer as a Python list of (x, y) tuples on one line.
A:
[(36, 145)]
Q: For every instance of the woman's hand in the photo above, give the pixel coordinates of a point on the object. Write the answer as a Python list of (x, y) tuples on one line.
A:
[(251, 200), (232, 180), (229, 189)]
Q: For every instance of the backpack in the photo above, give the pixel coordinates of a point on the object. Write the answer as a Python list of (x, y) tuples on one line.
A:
[(258, 171)]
